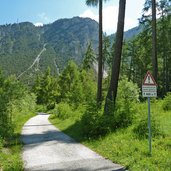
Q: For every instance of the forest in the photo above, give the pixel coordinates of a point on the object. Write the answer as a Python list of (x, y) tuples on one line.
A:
[(105, 112)]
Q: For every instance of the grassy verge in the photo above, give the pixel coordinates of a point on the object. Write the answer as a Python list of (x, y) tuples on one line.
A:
[(123, 146), (10, 153)]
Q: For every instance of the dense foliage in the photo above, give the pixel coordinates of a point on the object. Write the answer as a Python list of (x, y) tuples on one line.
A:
[(17, 105), (167, 102), (76, 88), (141, 129), (14, 99), (45, 88), (136, 58)]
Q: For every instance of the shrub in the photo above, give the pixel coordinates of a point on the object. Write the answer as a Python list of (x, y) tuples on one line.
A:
[(95, 123), (14, 99), (128, 96), (23, 105), (63, 111), (167, 102), (41, 108), (6, 129), (90, 121), (1, 143), (141, 129), (128, 90)]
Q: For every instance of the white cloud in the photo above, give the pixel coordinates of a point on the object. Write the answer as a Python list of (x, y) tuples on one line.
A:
[(110, 17), (89, 13), (44, 17), (130, 23), (38, 24)]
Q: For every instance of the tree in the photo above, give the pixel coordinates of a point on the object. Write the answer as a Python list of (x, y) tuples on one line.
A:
[(12, 92), (112, 91), (76, 86), (100, 58), (154, 41), (89, 57), (70, 88), (150, 22), (164, 43), (107, 57), (161, 53), (46, 89)]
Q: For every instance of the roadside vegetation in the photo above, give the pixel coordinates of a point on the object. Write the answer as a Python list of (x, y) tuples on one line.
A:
[(122, 134), (125, 145), (17, 105)]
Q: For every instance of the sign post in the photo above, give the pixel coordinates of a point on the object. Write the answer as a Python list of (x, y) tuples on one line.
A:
[(149, 126), (149, 89)]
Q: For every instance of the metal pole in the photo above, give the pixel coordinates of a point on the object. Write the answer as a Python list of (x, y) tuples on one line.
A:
[(149, 125)]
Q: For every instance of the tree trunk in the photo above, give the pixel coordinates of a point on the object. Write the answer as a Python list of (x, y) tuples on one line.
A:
[(154, 41), (100, 58), (112, 91)]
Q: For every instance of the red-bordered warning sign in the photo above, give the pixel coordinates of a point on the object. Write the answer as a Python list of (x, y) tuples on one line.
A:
[(149, 80), (149, 86)]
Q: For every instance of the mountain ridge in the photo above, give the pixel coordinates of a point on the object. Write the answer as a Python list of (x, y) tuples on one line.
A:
[(65, 39)]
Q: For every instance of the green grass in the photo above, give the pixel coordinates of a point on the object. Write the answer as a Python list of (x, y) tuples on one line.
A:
[(10, 153), (123, 146)]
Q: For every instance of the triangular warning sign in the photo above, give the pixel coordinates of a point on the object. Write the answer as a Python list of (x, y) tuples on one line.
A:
[(149, 80)]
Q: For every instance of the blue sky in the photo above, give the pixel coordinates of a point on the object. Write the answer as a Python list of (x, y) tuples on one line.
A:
[(47, 11)]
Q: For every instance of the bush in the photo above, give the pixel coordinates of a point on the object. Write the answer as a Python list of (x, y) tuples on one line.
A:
[(6, 129), (41, 108), (63, 111), (1, 143), (90, 121), (96, 124), (128, 96), (128, 90), (23, 105), (167, 102), (141, 129), (15, 99)]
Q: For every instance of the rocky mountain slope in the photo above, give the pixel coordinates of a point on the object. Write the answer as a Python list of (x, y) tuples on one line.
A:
[(26, 49), (21, 44)]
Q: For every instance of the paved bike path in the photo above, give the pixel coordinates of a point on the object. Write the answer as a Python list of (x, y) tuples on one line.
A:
[(47, 148)]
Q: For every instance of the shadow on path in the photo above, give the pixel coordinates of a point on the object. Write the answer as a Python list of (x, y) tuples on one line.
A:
[(47, 148), (47, 136)]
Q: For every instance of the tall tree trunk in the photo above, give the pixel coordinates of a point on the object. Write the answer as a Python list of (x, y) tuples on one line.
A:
[(100, 58), (112, 91), (154, 41), (164, 54)]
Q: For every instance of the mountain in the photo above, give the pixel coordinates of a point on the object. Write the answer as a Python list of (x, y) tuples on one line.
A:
[(26, 49), (129, 34), (132, 32)]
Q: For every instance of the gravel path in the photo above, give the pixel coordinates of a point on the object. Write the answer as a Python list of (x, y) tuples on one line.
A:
[(47, 148)]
